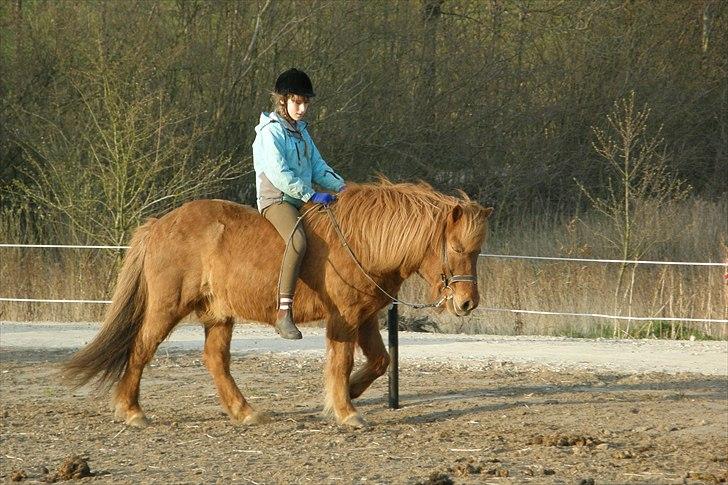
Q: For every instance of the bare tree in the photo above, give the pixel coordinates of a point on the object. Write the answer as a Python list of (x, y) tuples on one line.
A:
[(639, 188), (133, 158)]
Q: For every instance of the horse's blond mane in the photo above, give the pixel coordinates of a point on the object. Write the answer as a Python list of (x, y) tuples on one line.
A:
[(384, 221)]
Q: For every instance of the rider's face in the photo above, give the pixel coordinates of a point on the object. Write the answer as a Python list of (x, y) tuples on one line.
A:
[(297, 107)]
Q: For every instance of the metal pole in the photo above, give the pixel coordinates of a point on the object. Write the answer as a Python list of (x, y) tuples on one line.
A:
[(392, 327)]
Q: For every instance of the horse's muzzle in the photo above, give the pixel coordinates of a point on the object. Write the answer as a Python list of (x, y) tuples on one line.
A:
[(461, 309), (466, 307)]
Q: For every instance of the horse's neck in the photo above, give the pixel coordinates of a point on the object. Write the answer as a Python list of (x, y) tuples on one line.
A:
[(389, 253)]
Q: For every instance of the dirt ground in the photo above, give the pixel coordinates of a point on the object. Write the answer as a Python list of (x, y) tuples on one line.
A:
[(499, 423)]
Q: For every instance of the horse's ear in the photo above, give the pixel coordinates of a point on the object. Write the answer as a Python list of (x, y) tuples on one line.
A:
[(456, 214), (486, 212)]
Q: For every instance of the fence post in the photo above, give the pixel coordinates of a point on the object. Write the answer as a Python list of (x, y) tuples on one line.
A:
[(392, 328)]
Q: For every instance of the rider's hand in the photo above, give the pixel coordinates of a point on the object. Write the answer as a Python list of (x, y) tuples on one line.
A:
[(323, 198)]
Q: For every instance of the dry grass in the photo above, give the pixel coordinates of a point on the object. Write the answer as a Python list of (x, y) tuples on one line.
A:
[(659, 291), (695, 235), (589, 288)]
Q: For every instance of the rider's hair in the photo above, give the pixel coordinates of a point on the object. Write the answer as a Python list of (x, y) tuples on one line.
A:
[(278, 102)]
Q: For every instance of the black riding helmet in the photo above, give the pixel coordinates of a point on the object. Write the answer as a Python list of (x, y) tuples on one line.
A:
[(294, 81)]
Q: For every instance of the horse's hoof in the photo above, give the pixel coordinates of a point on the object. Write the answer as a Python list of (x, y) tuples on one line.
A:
[(137, 421), (119, 414), (255, 418), (355, 421)]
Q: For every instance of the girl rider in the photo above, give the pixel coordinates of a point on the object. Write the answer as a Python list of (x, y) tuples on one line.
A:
[(287, 163)]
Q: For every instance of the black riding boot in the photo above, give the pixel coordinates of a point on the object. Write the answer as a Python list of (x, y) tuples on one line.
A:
[(285, 326)]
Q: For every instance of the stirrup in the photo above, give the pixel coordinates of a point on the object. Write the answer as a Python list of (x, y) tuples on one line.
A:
[(287, 329)]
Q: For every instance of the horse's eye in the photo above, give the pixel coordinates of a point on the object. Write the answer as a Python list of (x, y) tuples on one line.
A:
[(457, 249)]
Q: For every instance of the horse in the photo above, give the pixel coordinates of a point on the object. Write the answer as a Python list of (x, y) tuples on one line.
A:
[(220, 260)]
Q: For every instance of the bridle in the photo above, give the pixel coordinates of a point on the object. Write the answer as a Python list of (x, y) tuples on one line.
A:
[(447, 277)]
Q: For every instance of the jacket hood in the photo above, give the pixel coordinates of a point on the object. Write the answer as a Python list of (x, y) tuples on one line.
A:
[(268, 118)]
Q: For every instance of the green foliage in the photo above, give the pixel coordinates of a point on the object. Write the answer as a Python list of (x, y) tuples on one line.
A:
[(657, 329)]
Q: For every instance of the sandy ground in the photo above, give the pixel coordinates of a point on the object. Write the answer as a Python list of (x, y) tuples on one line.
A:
[(704, 357), (475, 409)]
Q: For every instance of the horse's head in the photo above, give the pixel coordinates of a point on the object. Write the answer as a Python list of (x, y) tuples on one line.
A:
[(450, 267)]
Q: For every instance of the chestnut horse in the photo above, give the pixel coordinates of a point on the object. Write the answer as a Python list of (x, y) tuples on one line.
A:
[(220, 260)]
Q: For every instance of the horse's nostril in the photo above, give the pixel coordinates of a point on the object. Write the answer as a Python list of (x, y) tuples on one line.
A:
[(467, 305)]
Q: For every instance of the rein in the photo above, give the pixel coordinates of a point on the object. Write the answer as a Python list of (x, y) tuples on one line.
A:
[(447, 276)]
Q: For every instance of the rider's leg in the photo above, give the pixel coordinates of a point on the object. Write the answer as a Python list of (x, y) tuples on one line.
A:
[(284, 216)]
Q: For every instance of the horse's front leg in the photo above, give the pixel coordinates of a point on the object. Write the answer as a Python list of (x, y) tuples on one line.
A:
[(370, 341), (340, 342)]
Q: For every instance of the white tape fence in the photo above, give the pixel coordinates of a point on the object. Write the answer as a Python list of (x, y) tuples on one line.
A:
[(480, 310)]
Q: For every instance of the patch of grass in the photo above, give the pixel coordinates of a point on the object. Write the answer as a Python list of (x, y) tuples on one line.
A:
[(669, 329)]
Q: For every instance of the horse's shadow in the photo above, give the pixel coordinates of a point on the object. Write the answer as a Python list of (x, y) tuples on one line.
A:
[(705, 388)]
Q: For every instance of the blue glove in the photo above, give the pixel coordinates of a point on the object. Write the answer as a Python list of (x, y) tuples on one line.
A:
[(322, 198)]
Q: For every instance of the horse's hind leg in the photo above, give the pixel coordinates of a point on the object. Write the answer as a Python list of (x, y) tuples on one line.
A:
[(339, 363), (370, 342), (217, 361), (156, 327)]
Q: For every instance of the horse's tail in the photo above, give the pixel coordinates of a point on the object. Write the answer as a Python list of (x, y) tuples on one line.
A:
[(107, 355)]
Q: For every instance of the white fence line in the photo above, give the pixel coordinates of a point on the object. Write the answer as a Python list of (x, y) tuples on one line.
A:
[(65, 246), (480, 310), (482, 255), (587, 260), (39, 300), (601, 315)]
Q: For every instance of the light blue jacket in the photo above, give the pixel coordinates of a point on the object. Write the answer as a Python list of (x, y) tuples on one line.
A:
[(287, 163)]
